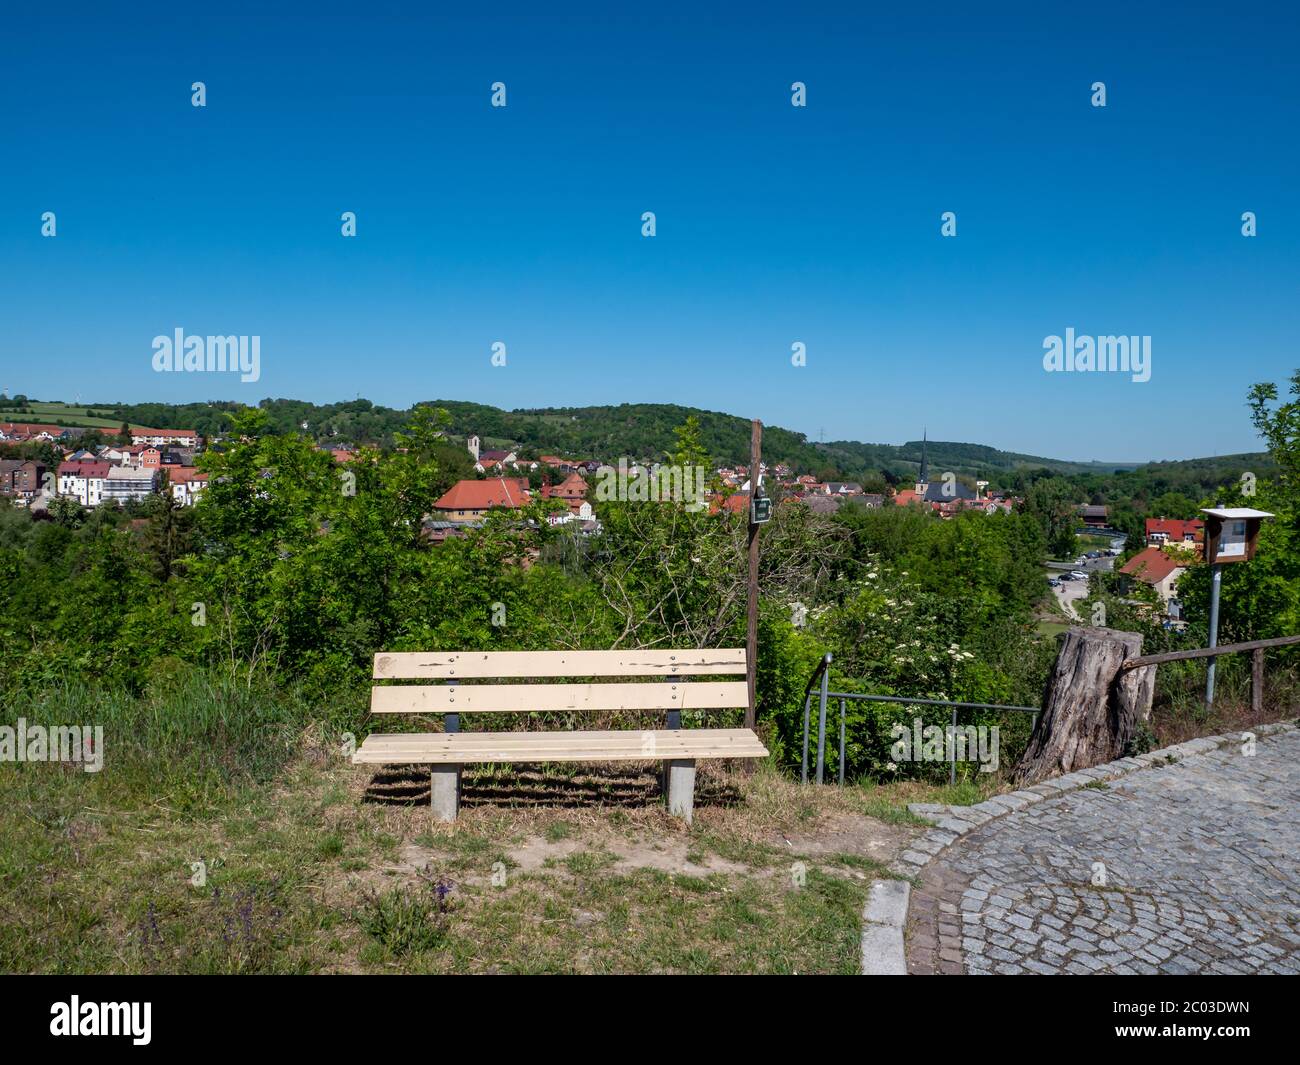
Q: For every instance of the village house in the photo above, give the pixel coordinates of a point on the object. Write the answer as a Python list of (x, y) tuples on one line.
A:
[(186, 484), (469, 501), (83, 481), (738, 503), (821, 504), (1157, 568), (1094, 517), (1161, 531), (178, 456), (21, 432), (162, 437), (21, 478), (584, 515), (573, 490), (125, 483), (491, 460), (140, 455), (465, 505)]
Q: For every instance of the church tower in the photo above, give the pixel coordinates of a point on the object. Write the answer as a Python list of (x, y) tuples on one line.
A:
[(923, 482)]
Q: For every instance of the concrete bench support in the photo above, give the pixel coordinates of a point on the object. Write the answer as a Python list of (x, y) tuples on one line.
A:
[(444, 791), (681, 788)]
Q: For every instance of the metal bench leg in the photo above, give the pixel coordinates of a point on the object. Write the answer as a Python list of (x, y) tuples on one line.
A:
[(681, 788), (444, 791)]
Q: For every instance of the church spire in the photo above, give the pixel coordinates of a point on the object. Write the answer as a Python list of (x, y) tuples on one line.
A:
[(925, 467)]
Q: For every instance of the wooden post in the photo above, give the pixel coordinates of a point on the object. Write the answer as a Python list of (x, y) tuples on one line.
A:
[(1090, 709), (751, 605), (1257, 681)]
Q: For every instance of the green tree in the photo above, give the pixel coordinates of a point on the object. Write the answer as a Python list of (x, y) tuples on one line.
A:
[(688, 449), (1051, 503)]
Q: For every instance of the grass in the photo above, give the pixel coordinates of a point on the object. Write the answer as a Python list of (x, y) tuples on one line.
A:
[(63, 414), (286, 870)]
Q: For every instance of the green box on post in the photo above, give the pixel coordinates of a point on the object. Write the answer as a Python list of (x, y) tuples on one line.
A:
[(760, 510)]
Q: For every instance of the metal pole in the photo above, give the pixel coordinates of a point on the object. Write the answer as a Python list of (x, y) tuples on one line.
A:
[(952, 749), (1215, 580), (807, 710), (842, 743), (821, 728)]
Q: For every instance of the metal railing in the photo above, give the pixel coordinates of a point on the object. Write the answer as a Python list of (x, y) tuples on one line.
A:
[(823, 671)]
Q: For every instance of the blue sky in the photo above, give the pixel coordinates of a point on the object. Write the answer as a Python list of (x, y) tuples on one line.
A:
[(775, 224)]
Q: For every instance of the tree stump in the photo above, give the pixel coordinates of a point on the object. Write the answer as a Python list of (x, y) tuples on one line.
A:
[(1090, 709)]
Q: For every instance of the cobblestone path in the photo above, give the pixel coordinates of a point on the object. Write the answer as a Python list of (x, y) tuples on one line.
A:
[(1187, 867)]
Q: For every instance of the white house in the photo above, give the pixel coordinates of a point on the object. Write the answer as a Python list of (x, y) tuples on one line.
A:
[(83, 481), (186, 484), (161, 437), (583, 513)]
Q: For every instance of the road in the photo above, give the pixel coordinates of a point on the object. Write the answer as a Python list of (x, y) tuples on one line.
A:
[(1069, 592)]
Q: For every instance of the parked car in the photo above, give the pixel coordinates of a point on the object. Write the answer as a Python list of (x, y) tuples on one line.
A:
[(1065, 577), (1078, 576), (1055, 582), (1093, 554)]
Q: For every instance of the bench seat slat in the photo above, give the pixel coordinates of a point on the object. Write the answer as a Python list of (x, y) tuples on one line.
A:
[(516, 698), (617, 745), (447, 665)]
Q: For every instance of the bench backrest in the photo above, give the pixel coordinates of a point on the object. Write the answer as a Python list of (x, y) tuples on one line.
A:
[(668, 670)]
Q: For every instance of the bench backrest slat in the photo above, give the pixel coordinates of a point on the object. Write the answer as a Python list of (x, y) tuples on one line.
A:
[(461, 665), (517, 698)]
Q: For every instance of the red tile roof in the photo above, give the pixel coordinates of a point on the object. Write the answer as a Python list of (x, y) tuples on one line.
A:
[(182, 474), (573, 491), (1151, 565), (479, 495), (734, 504), (84, 469)]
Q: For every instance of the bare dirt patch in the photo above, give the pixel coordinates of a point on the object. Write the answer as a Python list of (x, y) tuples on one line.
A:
[(848, 833)]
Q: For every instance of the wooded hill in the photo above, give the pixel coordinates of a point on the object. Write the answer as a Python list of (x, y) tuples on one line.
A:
[(634, 431)]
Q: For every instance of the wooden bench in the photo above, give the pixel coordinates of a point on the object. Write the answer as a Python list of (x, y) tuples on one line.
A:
[(669, 688)]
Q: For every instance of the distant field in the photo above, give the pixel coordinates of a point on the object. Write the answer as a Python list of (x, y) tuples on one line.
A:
[(62, 414)]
